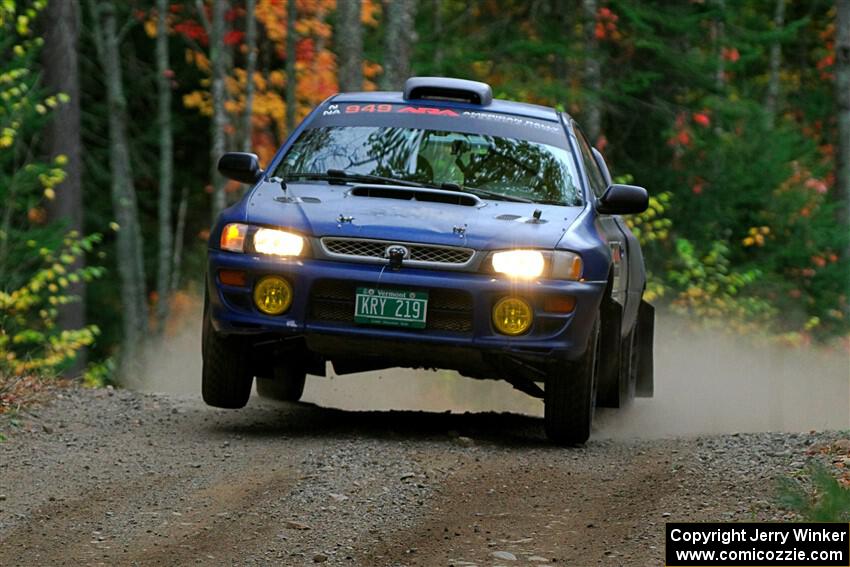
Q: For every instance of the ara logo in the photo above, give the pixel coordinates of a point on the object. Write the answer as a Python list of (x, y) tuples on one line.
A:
[(331, 110), (430, 111)]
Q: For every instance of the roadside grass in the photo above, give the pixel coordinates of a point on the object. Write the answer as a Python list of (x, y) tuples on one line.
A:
[(821, 493), (20, 394)]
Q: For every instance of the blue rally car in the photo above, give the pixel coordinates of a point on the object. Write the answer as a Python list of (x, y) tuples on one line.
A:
[(431, 228)]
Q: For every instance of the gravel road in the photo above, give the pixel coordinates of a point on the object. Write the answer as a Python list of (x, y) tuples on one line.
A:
[(123, 478)]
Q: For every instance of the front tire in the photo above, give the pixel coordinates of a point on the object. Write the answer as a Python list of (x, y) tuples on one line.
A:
[(570, 395), (226, 375), (286, 386)]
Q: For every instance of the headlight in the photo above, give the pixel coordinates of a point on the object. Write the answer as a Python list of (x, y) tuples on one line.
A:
[(530, 264), (277, 242), (523, 264)]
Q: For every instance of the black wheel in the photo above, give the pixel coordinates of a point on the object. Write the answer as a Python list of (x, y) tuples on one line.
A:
[(286, 386), (570, 395), (226, 375)]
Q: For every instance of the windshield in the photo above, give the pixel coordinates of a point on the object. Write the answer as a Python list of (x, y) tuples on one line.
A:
[(507, 166)]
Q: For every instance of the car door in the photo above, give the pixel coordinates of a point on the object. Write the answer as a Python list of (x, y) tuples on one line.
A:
[(614, 230)]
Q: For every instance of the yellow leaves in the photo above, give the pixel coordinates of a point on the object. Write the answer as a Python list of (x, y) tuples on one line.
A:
[(756, 236), (200, 100), (150, 27), (277, 79), (114, 226)]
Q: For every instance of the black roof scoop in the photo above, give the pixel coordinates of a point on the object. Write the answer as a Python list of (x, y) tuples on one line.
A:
[(444, 88)]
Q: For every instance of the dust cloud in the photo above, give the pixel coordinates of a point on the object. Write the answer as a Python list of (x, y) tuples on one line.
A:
[(704, 383)]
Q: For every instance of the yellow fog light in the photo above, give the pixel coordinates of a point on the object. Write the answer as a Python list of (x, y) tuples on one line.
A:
[(512, 316), (273, 295)]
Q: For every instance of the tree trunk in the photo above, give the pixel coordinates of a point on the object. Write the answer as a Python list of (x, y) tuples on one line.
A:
[(398, 41), (61, 75), (129, 253), (718, 31), (166, 167), (250, 70), (291, 80), (842, 95), (178, 238), (350, 45), (772, 100), (219, 120), (438, 36), (592, 77)]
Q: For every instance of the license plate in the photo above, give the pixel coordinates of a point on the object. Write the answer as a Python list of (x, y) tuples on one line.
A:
[(393, 307)]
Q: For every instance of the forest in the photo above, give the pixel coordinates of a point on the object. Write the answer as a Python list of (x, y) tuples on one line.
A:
[(734, 115)]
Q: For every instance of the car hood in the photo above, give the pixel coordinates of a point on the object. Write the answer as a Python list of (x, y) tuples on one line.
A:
[(320, 209)]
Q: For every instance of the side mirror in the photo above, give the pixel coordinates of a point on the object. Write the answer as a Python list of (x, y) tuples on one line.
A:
[(600, 161), (240, 166), (623, 200)]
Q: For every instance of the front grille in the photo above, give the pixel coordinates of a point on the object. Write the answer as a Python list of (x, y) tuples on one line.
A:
[(448, 309), (424, 254)]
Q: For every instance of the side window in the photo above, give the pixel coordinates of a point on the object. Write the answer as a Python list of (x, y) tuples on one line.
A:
[(597, 181)]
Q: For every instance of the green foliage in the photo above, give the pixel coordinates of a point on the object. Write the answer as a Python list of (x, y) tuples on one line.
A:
[(824, 500), (747, 225), (100, 374), (25, 181), (38, 263), (30, 341)]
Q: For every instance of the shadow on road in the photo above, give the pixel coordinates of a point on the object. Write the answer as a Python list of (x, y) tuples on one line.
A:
[(308, 420)]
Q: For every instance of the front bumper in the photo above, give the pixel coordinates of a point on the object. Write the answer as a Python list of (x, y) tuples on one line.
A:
[(552, 336)]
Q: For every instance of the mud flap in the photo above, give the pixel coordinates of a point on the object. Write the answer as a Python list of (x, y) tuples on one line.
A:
[(609, 389), (645, 340)]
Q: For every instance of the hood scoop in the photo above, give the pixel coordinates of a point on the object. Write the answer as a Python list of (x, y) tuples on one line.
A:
[(292, 199), (519, 218), (416, 194)]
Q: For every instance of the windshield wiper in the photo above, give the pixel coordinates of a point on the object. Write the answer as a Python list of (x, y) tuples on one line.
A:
[(341, 176), (483, 193)]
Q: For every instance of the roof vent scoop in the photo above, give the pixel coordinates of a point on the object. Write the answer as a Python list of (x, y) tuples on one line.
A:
[(442, 88)]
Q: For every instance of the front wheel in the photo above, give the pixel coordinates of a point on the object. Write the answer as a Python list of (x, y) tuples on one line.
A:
[(570, 395), (286, 386), (226, 374)]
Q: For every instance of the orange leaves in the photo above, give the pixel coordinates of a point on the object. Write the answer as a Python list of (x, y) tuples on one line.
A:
[(702, 118), (606, 25), (730, 54), (369, 12)]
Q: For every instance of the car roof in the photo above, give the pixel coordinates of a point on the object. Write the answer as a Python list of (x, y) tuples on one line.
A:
[(496, 105)]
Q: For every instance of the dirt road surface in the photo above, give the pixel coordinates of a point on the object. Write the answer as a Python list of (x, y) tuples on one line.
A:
[(129, 478), (124, 478)]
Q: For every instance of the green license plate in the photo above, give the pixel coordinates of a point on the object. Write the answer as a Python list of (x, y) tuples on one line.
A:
[(393, 307)]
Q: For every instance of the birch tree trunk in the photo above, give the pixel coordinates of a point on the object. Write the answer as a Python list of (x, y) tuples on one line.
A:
[(398, 42), (772, 99), (350, 45), (219, 120), (291, 80), (250, 70), (842, 95), (129, 253), (592, 78), (61, 75), (166, 167)]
